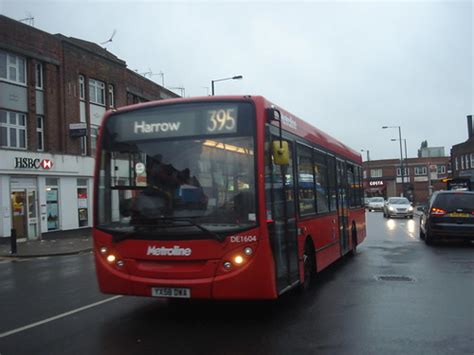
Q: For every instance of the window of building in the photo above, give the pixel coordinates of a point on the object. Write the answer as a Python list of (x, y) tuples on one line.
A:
[(40, 133), (406, 171), (82, 93), (12, 129), (12, 68), (466, 157), (462, 162), (96, 92), (39, 75), (83, 145), (52, 203), (456, 164), (94, 133), (365, 174), (441, 169), (82, 203), (420, 170), (111, 96), (305, 181), (472, 160), (375, 173)]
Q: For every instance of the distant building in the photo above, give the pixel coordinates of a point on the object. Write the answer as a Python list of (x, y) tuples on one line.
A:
[(54, 91), (431, 152), (462, 155), (422, 177)]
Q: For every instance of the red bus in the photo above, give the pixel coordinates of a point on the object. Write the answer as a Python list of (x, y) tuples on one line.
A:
[(225, 197)]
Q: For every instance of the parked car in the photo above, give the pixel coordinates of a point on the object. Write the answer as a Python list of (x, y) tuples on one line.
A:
[(449, 215), (376, 204), (398, 207), (366, 201)]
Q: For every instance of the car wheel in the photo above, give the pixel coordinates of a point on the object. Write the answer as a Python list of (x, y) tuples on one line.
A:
[(428, 238), (422, 234)]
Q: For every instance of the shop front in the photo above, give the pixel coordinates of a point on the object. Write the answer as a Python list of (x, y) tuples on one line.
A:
[(41, 193)]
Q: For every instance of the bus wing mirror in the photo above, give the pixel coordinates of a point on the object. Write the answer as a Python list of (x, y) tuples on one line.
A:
[(280, 152)]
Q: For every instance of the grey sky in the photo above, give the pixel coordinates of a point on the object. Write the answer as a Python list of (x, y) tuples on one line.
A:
[(346, 67)]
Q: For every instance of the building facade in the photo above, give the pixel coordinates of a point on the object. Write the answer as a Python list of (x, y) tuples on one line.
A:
[(422, 176), (462, 155), (54, 91)]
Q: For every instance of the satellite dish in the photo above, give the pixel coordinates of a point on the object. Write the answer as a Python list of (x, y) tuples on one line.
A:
[(110, 39)]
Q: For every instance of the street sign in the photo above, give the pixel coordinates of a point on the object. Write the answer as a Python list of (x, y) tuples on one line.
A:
[(77, 129)]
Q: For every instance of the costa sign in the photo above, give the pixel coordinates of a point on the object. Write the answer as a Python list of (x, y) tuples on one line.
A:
[(30, 163), (375, 183)]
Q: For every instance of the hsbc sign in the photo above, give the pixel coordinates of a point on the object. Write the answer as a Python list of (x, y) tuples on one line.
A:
[(30, 163)]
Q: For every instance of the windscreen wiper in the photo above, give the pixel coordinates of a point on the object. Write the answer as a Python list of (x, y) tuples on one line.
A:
[(192, 223)]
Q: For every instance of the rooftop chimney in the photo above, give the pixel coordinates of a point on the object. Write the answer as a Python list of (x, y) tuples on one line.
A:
[(470, 127)]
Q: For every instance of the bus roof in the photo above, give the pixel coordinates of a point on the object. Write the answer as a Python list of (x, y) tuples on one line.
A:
[(290, 122)]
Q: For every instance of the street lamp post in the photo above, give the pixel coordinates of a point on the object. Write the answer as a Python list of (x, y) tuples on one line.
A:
[(401, 155), (406, 161), (237, 77)]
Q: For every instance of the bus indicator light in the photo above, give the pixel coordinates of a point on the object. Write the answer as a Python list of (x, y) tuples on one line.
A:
[(103, 250)]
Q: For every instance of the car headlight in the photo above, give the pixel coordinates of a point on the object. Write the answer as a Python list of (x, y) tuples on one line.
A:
[(410, 208), (391, 208)]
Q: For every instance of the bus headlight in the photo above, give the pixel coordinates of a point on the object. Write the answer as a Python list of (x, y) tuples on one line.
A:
[(103, 250), (111, 258), (238, 259)]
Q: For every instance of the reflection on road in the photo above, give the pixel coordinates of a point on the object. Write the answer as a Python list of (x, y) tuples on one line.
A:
[(409, 227)]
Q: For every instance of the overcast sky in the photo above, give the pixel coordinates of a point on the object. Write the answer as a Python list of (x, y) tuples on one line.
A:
[(348, 68)]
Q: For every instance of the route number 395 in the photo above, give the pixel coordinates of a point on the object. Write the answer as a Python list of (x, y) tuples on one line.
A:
[(222, 120)]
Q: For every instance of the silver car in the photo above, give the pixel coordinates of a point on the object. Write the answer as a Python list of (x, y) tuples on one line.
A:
[(398, 207), (375, 204)]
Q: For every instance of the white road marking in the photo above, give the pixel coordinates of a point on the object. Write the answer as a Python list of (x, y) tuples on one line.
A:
[(62, 315)]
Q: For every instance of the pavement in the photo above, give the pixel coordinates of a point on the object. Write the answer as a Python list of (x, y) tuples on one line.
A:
[(50, 244)]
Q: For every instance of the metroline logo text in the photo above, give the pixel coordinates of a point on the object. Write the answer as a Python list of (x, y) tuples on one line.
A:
[(163, 251)]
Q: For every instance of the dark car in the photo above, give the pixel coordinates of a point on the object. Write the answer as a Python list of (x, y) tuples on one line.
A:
[(449, 215)]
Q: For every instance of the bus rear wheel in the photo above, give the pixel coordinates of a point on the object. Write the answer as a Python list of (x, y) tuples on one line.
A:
[(309, 266)]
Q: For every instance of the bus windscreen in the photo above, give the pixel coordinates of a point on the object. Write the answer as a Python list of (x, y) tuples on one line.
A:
[(165, 167)]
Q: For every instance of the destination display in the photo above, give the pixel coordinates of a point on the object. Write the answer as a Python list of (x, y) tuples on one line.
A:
[(168, 122)]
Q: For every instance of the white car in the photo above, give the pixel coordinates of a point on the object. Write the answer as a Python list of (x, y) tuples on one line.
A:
[(398, 207), (376, 204)]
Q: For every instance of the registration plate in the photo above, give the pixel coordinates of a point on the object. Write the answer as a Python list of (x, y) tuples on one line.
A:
[(171, 292), (456, 214)]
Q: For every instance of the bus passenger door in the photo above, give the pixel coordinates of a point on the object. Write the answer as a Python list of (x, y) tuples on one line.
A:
[(342, 206), (281, 217)]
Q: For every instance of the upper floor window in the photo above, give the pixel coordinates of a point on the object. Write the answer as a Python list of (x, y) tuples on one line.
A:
[(456, 164), (96, 92), (405, 172), (462, 162), (82, 93), (420, 170), (376, 173), (12, 129), (111, 96), (39, 75), (441, 169), (467, 161), (472, 160), (40, 133), (12, 68)]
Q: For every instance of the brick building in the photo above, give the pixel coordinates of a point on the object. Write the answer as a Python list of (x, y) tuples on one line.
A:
[(422, 176), (54, 91), (462, 155)]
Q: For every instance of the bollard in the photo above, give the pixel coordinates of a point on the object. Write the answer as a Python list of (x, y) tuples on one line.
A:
[(13, 241)]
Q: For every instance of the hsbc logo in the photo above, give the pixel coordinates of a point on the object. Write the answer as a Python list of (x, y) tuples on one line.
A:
[(30, 163)]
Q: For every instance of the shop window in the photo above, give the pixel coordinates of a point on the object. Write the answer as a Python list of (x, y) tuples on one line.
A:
[(82, 203), (52, 203)]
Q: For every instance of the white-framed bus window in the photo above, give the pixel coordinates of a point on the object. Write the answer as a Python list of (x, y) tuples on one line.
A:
[(111, 96), (39, 76), (40, 133), (96, 92), (12, 68), (82, 93), (12, 129)]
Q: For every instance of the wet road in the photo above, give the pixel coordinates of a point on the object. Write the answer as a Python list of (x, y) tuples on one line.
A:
[(396, 296)]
